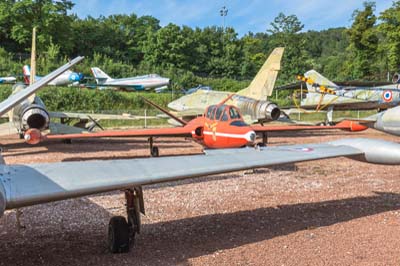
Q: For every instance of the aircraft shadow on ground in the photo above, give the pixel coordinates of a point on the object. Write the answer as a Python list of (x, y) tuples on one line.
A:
[(174, 242)]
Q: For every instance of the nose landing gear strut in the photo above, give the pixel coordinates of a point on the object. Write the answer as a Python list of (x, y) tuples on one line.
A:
[(122, 231)]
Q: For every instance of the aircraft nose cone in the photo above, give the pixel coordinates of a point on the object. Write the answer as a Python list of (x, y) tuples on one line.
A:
[(251, 137), (74, 77)]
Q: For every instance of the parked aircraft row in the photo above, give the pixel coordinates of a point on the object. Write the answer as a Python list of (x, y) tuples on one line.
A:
[(222, 125), (31, 184)]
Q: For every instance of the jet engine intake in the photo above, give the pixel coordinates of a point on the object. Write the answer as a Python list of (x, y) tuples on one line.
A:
[(198, 133)]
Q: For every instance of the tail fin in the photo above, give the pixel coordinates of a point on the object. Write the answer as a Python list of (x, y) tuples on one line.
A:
[(27, 73), (319, 79), (263, 83), (100, 76)]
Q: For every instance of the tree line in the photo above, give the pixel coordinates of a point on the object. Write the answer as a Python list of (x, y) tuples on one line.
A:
[(126, 45)]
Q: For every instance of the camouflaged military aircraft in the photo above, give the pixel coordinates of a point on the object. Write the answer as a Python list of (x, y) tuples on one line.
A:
[(32, 184), (323, 94), (251, 101)]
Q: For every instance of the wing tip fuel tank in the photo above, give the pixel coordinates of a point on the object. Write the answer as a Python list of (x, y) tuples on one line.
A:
[(374, 150)]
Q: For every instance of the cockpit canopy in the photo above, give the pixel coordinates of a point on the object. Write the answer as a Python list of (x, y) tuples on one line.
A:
[(223, 113)]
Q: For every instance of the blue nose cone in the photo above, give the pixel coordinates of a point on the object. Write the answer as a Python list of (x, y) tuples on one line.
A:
[(76, 77)]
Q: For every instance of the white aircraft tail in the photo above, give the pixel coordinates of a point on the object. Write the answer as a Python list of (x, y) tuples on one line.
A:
[(263, 83), (319, 79), (100, 76)]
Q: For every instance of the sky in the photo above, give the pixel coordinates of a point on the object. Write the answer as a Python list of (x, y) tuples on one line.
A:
[(243, 16)]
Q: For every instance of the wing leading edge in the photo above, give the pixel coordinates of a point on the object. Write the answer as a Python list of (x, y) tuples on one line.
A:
[(26, 185)]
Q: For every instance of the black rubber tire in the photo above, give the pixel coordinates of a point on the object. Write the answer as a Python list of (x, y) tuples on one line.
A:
[(154, 152), (118, 235)]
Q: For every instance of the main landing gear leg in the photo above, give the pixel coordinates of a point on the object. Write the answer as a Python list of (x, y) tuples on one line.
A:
[(153, 149), (121, 232), (264, 140)]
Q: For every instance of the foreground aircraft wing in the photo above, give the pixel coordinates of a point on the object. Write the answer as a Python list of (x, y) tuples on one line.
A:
[(344, 125), (24, 185), (18, 97)]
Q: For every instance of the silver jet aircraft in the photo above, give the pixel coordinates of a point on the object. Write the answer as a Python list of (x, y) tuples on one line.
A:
[(138, 83), (66, 78), (27, 185), (6, 80), (25, 110)]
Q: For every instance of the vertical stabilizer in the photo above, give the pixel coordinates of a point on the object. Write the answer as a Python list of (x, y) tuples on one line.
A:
[(100, 76), (263, 84), (318, 79), (27, 74)]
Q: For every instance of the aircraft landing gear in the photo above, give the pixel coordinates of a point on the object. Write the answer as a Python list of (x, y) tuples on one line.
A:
[(153, 149), (121, 231), (264, 140)]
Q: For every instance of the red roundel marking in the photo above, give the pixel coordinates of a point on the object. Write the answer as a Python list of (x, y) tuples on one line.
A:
[(387, 96)]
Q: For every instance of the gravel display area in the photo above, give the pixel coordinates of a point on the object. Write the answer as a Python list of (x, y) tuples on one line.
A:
[(326, 212)]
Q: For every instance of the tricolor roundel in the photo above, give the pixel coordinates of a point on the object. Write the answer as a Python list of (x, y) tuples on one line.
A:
[(387, 95)]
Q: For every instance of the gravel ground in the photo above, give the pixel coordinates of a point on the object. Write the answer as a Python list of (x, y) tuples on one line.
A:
[(327, 212)]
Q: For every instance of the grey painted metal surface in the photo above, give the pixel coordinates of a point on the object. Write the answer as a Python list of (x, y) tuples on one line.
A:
[(18, 97), (389, 121), (24, 185), (374, 150), (38, 183)]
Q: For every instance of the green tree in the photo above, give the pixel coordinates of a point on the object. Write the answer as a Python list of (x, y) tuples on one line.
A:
[(50, 17), (285, 31), (390, 28), (363, 43)]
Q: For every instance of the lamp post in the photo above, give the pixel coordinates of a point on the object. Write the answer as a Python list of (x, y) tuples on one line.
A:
[(223, 12)]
